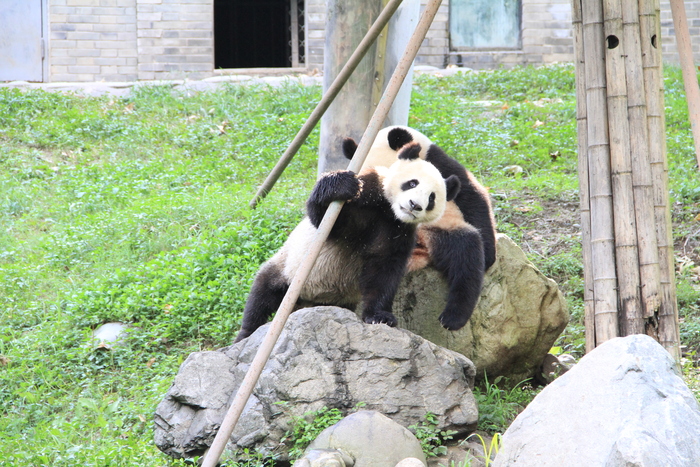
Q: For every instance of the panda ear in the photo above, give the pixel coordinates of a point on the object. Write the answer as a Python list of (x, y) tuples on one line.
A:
[(349, 148), (453, 186), (398, 137), (410, 152)]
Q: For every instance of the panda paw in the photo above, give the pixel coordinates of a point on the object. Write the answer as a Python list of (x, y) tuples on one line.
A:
[(380, 317), (342, 185), (453, 321)]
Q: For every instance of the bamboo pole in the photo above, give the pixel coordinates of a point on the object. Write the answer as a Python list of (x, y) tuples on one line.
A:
[(584, 195), (626, 250), (246, 389), (641, 168), (668, 332), (326, 100), (690, 77), (600, 186)]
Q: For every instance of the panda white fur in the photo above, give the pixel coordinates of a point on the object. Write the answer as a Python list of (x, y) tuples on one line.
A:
[(461, 244), (367, 250)]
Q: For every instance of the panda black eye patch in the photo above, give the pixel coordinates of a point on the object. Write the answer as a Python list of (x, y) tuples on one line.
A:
[(431, 202), (409, 185)]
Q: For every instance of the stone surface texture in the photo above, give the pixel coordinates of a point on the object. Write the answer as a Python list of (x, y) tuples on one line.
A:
[(519, 316), (623, 404), (369, 439), (325, 357)]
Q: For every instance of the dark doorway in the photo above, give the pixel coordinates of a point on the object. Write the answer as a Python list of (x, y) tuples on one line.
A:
[(254, 33)]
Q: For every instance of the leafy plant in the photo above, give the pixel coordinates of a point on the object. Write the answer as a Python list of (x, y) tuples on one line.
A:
[(491, 450), (306, 428), (431, 438), (498, 407)]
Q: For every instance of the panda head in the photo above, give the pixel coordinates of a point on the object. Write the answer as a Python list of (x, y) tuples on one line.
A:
[(415, 188), (388, 142)]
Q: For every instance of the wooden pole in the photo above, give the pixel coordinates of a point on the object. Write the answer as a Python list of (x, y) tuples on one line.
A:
[(690, 77), (599, 175), (212, 456), (584, 193), (326, 100)]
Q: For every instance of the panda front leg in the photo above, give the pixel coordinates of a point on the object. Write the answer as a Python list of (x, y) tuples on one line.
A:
[(265, 297), (459, 255), (380, 280)]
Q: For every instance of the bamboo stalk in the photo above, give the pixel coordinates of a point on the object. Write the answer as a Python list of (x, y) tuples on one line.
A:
[(668, 332), (285, 309), (641, 169), (584, 195), (602, 237), (690, 76), (626, 249), (326, 100)]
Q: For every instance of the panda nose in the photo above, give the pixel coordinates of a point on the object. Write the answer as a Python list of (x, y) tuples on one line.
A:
[(414, 206)]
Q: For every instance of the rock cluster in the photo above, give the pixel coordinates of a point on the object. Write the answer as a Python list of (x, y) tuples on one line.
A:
[(325, 357)]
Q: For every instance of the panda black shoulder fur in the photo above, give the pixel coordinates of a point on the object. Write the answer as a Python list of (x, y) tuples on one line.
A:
[(368, 248), (462, 243)]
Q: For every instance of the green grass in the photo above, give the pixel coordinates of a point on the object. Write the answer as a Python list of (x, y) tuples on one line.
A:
[(135, 209)]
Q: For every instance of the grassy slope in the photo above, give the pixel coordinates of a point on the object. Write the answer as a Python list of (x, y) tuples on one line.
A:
[(135, 209)]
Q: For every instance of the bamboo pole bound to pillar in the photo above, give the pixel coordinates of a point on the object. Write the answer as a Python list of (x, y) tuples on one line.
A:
[(641, 168), (600, 186), (623, 172), (246, 389), (690, 76), (582, 129), (626, 250), (668, 333)]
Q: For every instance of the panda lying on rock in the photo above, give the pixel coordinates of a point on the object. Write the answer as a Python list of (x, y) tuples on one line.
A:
[(366, 254), (461, 244)]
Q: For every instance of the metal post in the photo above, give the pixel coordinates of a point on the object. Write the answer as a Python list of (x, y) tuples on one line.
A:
[(263, 354)]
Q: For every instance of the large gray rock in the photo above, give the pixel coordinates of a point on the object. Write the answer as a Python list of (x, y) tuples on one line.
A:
[(369, 439), (325, 357), (624, 404), (520, 315)]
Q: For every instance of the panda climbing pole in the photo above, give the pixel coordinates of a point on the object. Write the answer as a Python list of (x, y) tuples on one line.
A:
[(212, 456)]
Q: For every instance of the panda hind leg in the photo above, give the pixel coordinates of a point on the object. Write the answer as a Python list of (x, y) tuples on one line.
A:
[(265, 297), (459, 255)]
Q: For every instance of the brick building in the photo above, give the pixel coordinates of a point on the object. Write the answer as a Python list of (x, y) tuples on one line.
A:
[(126, 40)]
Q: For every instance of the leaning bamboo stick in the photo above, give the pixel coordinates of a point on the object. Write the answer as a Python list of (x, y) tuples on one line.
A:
[(585, 207), (668, 333), (690, 75), (246, 389), (602, 237), (641, 169), (327, 99), (626, 250)]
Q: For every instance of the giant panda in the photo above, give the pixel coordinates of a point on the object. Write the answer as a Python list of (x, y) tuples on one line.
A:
[(461, 244), (368, 248)]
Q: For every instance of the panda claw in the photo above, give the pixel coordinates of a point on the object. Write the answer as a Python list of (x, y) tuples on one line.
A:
[(453, 321), (381, 317)]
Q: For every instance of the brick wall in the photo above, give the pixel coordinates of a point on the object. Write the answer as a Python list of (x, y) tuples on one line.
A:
[(175, 38), (126, 40), (668, 38), (92, 40)]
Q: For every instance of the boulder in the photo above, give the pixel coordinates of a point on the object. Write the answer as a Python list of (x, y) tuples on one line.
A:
[(369, 439), (325, 356), (623, 404), (519, 316)]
